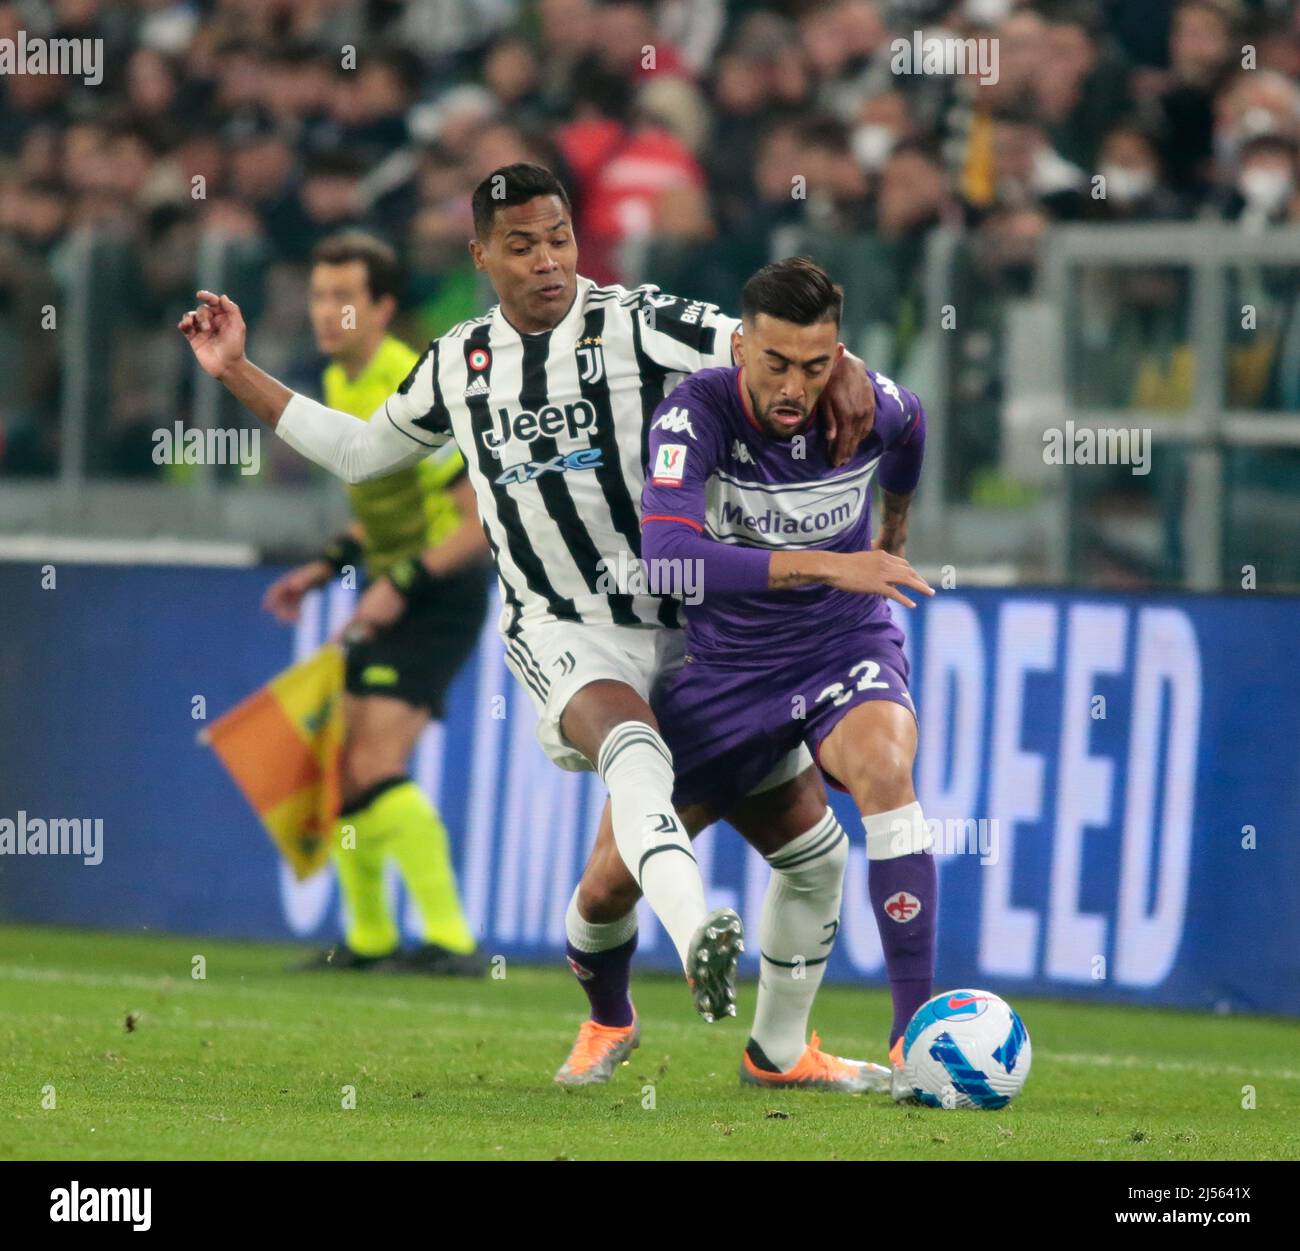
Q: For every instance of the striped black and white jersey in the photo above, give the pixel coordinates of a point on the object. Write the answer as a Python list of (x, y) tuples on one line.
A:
[(554, 428)]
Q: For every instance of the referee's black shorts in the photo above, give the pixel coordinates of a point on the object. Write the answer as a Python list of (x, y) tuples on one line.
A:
[(416, 658)]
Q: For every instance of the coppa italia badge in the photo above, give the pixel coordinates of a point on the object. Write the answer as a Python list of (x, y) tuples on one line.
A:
[(479, 359), (902, 906)]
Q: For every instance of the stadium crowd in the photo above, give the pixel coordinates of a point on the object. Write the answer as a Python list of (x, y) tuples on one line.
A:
[(690, 132)]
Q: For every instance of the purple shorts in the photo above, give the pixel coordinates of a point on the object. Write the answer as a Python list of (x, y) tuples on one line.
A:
[(729, 724)]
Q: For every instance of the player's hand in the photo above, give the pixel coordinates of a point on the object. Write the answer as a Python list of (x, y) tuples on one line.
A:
[(878, 573), (283, 598), (847, 408), (380, 605), (215, 330)]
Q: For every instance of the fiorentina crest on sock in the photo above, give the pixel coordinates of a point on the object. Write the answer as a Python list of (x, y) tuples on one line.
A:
[(581, 973), (966, 1049), (902, 906)]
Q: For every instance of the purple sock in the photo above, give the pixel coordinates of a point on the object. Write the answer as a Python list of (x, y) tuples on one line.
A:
[(904, 899), (606, 976)]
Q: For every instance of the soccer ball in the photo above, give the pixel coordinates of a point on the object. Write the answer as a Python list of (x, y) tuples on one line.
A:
[(966, 1049)]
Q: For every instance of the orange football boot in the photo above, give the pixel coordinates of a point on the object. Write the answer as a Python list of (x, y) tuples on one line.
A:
[(816, 1070), (900, 1088), (598, 1051)]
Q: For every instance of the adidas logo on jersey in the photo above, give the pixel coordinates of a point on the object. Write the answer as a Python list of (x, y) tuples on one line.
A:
[(677, 420), (741, 453), (478, 387)]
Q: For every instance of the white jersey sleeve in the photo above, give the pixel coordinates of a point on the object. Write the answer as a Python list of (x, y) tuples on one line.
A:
[(409, 425), (684, 335), (417, 408)]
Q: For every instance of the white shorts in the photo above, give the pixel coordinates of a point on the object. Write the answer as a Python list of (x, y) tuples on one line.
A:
[(554, 660)]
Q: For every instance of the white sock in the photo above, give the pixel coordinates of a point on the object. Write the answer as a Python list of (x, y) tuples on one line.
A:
[(898, 832), (638, 770), (801, 912), (596, 936)]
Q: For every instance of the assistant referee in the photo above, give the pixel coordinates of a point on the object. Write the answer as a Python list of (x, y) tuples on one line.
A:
[(416, 536)]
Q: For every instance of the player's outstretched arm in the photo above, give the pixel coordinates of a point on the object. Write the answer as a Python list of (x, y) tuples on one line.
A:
[(348, 447), (865, 573), (216, 333)]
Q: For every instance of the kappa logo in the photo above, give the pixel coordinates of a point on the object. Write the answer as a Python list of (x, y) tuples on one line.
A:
[(741, 453), (583, 458), (890, 388), (676, 420), (902, 907)]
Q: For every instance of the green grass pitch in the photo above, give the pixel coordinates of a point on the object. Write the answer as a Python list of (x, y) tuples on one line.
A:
[(141, 1061)]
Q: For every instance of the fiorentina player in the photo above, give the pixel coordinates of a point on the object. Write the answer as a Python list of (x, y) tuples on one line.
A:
[(793, 640)]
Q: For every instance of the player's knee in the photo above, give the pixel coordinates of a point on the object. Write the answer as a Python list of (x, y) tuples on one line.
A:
[(607, 891), (819, 873), (602, 900), (885, 776)]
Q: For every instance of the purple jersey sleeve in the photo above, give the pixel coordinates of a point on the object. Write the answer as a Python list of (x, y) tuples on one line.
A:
[(900, 422), (686, 445)]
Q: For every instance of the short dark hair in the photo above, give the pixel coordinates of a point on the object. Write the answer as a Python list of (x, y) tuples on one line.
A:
[(510, 185), (796, 290), (383, 270)]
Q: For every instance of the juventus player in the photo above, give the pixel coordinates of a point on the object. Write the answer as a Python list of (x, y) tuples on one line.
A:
[(549, 396)]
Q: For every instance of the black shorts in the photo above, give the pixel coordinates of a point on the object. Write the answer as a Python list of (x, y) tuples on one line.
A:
[(416, 658)]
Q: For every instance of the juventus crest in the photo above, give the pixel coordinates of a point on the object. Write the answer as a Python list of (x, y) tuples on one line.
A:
[(591, 359)]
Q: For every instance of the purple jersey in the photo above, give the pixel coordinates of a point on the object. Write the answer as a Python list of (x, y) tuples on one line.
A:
[(716, 478)]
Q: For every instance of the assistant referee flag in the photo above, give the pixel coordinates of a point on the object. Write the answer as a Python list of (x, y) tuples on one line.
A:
[(281, 746)]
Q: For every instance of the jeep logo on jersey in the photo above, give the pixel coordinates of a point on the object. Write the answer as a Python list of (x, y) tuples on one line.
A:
[(785, 514), (583, 458), (676, 420), (573, 421)]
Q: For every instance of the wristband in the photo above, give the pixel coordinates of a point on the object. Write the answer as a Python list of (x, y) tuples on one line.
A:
[(343, 550), (412, 578)]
